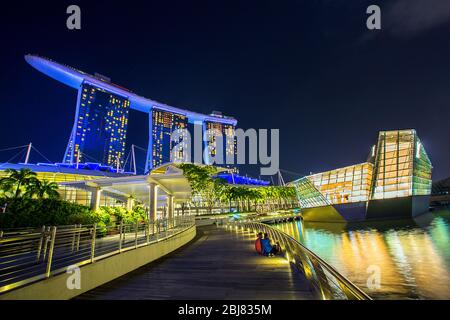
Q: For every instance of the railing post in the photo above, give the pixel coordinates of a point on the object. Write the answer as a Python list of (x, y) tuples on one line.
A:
[(164, 227), (120, 235), (147, 230), (45, 242), (136, 225), (322, 280), (94, 234), (50, 252), (78, 237), (41, 242), (74, 236), (153, 227)]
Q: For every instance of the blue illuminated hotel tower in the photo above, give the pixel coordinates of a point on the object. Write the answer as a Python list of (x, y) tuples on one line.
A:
[(100, 127), (101, 119), (164, 123)]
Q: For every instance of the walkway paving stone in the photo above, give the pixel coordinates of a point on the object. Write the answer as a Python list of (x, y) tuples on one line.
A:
[(217, 264)]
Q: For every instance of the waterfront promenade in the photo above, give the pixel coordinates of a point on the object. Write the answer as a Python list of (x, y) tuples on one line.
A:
[(216, 264)]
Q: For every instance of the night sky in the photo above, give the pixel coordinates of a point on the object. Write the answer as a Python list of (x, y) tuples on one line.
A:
[(310, 68)]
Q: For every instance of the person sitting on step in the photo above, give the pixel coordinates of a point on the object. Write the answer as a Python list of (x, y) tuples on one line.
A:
[(258, 246), (266, 247)]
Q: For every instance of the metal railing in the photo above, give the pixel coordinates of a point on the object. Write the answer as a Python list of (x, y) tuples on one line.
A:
[(30, 255), (325, 279), (277, 218)]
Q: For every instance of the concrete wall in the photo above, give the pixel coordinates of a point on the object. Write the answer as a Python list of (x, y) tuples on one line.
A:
[(100, 272), (322, 214)]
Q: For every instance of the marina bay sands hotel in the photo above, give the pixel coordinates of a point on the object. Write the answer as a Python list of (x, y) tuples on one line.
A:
[(101, 119)]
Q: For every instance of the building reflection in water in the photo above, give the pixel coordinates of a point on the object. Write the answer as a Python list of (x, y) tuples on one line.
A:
[(413, 256)]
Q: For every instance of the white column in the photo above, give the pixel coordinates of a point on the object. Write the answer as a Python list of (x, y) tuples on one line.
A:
[(170, 209), (95, 198), (153, 199), (130, 204)]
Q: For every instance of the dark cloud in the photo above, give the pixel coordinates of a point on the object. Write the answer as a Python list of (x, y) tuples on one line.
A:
[(407, 18)]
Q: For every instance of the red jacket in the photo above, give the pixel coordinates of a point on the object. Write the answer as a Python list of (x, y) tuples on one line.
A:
[(258, 246)]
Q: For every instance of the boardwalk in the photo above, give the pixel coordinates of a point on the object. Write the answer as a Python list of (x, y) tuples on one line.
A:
[(217, 264)]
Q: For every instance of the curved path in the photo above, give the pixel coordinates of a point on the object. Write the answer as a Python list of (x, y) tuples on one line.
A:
[(217, 264)]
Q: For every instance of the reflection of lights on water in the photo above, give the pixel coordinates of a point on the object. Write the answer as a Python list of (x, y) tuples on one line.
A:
[(415, 261)]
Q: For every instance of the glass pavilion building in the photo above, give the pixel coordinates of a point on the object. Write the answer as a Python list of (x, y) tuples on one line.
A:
[(101, 120), (395, 182)]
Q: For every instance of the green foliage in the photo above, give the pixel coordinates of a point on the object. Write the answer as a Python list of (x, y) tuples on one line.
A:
[(24, 183), (199, 177), (203, 184), (211, 189), (120, 214), (139, 213), (16, 181), (26, 212), (42, 189), (31, 202)]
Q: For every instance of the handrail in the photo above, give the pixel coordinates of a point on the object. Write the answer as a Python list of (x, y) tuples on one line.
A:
[(324, 278), (275, 218), (35, 254)]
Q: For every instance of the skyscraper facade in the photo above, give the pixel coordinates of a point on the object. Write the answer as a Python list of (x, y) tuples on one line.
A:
[(101, 120), (164, 124), (227, 145), (100, 128)]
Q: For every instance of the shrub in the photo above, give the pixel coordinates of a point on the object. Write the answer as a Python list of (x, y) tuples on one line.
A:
[(26, 212)]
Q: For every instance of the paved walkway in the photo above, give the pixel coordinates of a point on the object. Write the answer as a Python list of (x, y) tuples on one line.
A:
[(217, 264)]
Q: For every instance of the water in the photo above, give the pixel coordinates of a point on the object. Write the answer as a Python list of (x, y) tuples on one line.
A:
[(413, 255)]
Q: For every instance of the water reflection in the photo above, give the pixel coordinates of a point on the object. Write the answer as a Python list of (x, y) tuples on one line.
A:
[(413, 255)]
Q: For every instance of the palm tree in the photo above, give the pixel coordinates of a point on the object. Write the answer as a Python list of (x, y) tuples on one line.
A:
[(17, 179), (49, 189), (42, 189)]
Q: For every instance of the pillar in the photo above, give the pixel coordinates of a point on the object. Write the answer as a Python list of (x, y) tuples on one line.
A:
[(95, 198), (153, 199), (130, 204), (170, 209)]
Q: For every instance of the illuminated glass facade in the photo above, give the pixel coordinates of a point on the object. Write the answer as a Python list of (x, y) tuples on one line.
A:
[(309, 195), (345, 185), (164, 123), (228, 132), (100, 128), (399, 167), (402, 166)]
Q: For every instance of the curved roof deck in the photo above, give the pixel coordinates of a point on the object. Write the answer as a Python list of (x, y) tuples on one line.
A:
[(74, 78)]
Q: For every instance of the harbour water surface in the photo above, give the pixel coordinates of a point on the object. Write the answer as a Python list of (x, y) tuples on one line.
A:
[(413, 256)]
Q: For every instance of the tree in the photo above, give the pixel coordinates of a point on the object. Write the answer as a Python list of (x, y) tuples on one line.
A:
[(209, 189), (204, 185), (17, 180), (42, 189)]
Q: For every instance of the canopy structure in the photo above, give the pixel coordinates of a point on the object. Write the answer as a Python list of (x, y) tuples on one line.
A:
[(168, 179), (75, 78)]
